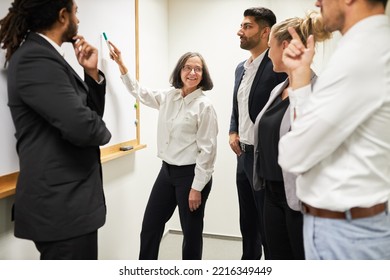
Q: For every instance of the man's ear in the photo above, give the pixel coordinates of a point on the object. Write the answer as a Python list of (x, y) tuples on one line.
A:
[(63, 16), (265, 32)]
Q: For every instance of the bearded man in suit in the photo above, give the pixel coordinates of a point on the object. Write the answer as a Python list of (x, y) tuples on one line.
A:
[(59, 201), (254, 81)]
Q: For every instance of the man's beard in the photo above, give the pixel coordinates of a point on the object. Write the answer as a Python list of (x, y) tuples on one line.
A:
[(70, 32), (248, 45)]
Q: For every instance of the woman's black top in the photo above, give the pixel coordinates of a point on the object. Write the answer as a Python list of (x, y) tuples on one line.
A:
[(268, 135)]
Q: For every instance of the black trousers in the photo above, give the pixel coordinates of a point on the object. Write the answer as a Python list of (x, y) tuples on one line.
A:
[(251, 204), (84, 247), (283, 226), (171, 189)]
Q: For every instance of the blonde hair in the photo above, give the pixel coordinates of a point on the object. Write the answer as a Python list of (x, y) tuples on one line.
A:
[(311, 24)]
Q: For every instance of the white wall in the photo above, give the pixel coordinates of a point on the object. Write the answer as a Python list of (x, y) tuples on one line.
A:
[(128, 180), (168, 28)]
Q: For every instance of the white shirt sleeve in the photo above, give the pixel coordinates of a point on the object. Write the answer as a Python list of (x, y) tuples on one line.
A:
[(206, 139), (298, 99), (151, 98), (327, 116)]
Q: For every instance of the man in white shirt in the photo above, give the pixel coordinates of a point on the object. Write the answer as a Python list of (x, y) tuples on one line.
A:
[(339, 143), (254, 81)]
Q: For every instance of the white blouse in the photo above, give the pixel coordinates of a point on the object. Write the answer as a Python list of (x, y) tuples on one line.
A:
[(187, 128)]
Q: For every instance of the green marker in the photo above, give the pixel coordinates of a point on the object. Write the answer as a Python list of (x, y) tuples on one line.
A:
[(105, 39)]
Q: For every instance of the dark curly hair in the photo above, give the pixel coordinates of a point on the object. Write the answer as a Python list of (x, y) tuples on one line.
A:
[(28, 15)]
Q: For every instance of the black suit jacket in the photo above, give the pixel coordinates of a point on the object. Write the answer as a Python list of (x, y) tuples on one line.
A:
[(264, 82), (59, 127)]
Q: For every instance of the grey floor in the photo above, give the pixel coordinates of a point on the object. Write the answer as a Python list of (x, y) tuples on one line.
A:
[(214, 247)]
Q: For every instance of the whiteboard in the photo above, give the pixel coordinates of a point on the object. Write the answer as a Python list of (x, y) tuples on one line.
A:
[(8, 157), (117, 19)]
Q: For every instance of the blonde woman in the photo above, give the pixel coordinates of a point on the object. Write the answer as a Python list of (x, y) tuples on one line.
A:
[(283, 220)]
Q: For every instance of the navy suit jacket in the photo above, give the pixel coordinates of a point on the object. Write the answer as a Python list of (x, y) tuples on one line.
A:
[(264, 82), (59, 128)]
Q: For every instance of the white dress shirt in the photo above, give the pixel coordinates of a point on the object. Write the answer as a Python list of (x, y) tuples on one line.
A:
[(187, 128), (340, 140), (245, 124)]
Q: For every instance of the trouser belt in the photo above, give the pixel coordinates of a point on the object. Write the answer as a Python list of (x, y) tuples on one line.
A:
[(353, 213), (246, 148)]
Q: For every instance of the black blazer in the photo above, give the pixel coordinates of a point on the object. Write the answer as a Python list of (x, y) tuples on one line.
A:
[(59, 127), (265, 81)]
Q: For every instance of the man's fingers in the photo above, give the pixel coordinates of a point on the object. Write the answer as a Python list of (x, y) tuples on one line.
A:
[(293, 33), (296, 45), (293, 50), (297, 42), (310, 42)]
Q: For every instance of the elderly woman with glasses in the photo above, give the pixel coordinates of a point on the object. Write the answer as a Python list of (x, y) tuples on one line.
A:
[(187, 144)]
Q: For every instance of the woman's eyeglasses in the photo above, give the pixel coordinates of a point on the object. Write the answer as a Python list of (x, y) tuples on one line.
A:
[(197, 69)]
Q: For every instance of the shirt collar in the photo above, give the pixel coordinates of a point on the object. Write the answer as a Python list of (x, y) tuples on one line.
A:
[(54, 44), (256, 62), (190, 97)]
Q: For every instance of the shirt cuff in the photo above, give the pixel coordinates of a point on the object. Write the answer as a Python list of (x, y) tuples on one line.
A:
[(299, 93), (198, 185), (128, 80), (297, 99)]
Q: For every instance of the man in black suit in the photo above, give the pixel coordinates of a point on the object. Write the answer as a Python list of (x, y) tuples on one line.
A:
[(59, 202), (254, 81)]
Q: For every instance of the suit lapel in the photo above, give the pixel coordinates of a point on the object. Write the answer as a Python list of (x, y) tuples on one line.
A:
[(274, 94), (42, 41), (258, 75), (239, 75)]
